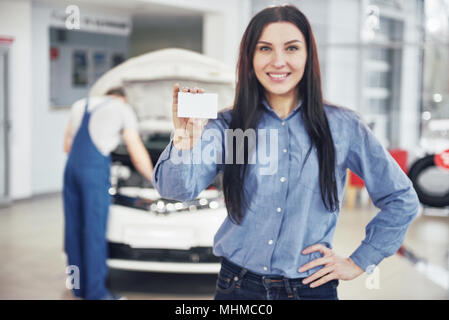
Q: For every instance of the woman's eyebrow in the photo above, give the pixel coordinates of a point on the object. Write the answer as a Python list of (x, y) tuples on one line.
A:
[(288, 42), (293, 41)]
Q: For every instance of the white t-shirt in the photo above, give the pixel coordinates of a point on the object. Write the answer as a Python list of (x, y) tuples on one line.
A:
[(106, 122)]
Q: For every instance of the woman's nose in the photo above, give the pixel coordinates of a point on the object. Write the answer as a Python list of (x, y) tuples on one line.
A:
[(278, 59)]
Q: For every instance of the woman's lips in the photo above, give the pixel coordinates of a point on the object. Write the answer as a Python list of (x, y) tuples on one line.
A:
[(278, 77)]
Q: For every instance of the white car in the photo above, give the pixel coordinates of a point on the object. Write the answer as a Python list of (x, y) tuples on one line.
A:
[(145, 231)]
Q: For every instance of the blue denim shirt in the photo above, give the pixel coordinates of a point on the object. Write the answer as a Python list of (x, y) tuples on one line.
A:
[(286, 212)]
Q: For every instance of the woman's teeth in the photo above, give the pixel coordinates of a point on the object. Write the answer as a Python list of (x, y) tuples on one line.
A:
[(278, 76)]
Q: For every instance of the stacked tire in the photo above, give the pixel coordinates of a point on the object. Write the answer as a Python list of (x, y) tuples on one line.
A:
[(426, 198)]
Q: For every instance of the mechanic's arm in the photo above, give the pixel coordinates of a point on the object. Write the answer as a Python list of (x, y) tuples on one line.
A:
[(139, 154), (192, 159), (391, 191), (67, 139)]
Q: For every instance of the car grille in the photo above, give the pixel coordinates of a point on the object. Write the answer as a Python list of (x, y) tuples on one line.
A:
[(194, 255)]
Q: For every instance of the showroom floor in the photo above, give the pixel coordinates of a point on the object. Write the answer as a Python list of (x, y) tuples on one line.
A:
[(32, 260)]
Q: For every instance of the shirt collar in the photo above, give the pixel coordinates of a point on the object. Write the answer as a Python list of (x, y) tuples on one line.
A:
[(267, 106)]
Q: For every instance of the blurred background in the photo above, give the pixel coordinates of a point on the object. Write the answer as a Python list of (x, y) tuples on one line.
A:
[(386, 59)]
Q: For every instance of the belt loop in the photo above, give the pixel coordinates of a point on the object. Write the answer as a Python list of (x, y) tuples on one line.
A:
[(239, 279), (288, 288), (266, 283), (242, 273)]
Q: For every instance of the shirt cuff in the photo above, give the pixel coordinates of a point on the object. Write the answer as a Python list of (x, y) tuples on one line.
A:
[(172, 163), (367, 257)]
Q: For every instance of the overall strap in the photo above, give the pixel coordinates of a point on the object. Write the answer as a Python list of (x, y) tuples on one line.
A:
[(87, 105)]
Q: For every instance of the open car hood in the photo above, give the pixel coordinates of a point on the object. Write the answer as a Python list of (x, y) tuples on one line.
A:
[(148, 82)]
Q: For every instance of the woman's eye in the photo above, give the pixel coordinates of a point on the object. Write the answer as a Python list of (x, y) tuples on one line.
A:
[(292, 48), (264, 48)]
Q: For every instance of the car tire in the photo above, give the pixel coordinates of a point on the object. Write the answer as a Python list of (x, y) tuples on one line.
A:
[(426, 198)]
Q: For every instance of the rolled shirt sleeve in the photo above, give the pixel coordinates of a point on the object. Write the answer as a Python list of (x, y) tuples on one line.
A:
[(129, 118), (183, 174), (390, 190)]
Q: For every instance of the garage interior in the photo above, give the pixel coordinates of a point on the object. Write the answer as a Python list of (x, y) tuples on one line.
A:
[(393, 76)]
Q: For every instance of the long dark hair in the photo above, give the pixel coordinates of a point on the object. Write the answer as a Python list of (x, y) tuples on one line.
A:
[(247, 111)]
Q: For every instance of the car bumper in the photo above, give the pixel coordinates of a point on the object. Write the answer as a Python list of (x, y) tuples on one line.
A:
[(178, 242), (166, 267)]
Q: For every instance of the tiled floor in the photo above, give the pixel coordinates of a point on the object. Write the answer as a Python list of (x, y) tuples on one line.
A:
[(32, 263)]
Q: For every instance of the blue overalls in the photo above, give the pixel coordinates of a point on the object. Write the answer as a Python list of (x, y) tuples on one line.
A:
[(86, 207)]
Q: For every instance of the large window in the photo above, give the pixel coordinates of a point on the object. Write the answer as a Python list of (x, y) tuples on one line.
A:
[(382, 79), (436, 73)]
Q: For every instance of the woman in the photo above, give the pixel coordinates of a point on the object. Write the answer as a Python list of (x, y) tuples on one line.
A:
[(276, 241)]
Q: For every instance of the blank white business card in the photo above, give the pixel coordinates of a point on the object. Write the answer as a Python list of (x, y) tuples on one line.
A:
[(197, 105)]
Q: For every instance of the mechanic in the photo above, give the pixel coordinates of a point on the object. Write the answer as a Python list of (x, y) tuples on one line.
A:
[(276, 242), (94, 130)]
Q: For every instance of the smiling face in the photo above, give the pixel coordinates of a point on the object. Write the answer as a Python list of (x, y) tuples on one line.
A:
[(280, 59)]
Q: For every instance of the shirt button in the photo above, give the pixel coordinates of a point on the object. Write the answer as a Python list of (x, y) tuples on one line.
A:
[(370, 268), (278, 209), (285, 150), (270, 242), (283, 179), (265, 268), (283, 123)]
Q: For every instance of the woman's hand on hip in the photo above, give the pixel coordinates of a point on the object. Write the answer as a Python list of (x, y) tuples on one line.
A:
[(334, 267), (187, 130)]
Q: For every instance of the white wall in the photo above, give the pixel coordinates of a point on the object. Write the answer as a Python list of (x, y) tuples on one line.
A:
[(15, 21), (36, 157), (48, 124), (223, 30)]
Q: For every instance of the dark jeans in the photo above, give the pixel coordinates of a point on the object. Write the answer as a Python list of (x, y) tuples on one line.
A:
[(237, 283)]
